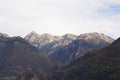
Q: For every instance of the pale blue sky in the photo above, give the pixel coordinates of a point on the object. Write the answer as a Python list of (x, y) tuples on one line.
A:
[(58, 17)]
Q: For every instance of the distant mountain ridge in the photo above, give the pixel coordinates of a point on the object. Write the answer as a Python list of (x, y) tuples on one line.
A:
[(48, 42), (68, 47)]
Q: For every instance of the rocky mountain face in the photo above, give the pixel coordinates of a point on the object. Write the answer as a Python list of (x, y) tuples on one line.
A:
[(83, 44), (3, 35), (69, 47), (102, 64), (49, 43), (18, 56)]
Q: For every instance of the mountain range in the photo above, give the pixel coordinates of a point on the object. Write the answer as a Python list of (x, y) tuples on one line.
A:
[(102, 64), (47, 42), (69, 47), (89, 56)]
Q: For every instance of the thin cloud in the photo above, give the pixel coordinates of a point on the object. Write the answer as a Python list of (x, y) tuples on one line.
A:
[(67, 16)]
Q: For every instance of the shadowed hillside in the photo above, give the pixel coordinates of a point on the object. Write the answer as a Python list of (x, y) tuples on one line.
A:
[(18, 56)]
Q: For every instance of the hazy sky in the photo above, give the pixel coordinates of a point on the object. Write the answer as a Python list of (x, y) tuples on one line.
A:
[(19, 17)]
